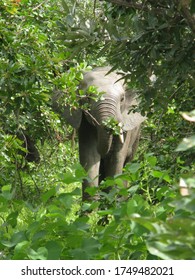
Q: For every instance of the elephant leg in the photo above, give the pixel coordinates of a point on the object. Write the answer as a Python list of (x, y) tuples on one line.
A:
[(113, 163), (119, 155), (133, 144), (115, 160), (89, 156), (111, 166)]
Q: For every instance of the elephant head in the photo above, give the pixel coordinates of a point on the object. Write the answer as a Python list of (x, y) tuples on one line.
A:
[(116, 104)]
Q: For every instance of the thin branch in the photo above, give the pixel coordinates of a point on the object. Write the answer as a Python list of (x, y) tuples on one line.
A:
[(94, 8), (41, 4), (93, 119), (20, 182), (36, 186), (4, 223)]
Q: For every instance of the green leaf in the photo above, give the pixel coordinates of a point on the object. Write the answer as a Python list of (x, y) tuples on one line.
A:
[(131, 207), (76, 192), (40, 254), (47, 195), (39, 235), (152, 160), (12, 219), (20, 251), (161, 174), (15, 239), (104, 212), (54, 250), (6, 192), (70, 177), (80, 172), (119, 182), (91, 190), (91, 246), (134, 167), (146, 222), (66, 200), (137, 36), (79, 254), (159, 249), (88, 249), (55, 212)]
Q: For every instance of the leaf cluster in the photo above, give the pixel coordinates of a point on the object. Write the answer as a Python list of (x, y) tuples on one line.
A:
[(156, 225)]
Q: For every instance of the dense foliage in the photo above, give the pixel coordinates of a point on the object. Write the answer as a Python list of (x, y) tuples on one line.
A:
[(44, 46)]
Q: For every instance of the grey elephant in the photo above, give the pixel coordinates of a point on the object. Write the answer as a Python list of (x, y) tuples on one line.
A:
[(101, 153)]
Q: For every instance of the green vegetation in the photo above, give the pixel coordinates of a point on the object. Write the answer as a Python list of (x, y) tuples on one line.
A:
[(44, 46)]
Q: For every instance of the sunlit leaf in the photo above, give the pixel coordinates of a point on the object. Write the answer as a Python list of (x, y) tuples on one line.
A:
[(40, 254)]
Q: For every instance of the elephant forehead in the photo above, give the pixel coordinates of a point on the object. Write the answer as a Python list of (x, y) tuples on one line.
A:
[(110, 89), (107, 84)]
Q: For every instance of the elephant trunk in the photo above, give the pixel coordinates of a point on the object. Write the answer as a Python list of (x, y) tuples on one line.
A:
[(103, 111)]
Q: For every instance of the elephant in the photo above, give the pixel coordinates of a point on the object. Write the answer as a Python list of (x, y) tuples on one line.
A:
[(101, 153)]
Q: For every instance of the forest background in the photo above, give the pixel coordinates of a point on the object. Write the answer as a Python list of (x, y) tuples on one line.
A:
[(44, 47)]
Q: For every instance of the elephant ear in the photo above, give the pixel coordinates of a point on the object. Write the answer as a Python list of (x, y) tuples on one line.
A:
[(131, 119), (72, 116)]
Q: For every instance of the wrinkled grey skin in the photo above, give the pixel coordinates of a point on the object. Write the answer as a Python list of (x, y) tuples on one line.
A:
[(101, 153)]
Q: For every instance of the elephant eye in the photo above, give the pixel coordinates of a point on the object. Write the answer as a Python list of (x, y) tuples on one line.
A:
[(122, 98)]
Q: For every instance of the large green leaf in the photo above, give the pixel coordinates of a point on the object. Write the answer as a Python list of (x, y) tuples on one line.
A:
[(40, 254), (54, 250)]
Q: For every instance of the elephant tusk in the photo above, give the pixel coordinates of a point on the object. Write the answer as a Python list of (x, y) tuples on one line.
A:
[(121, 135)]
